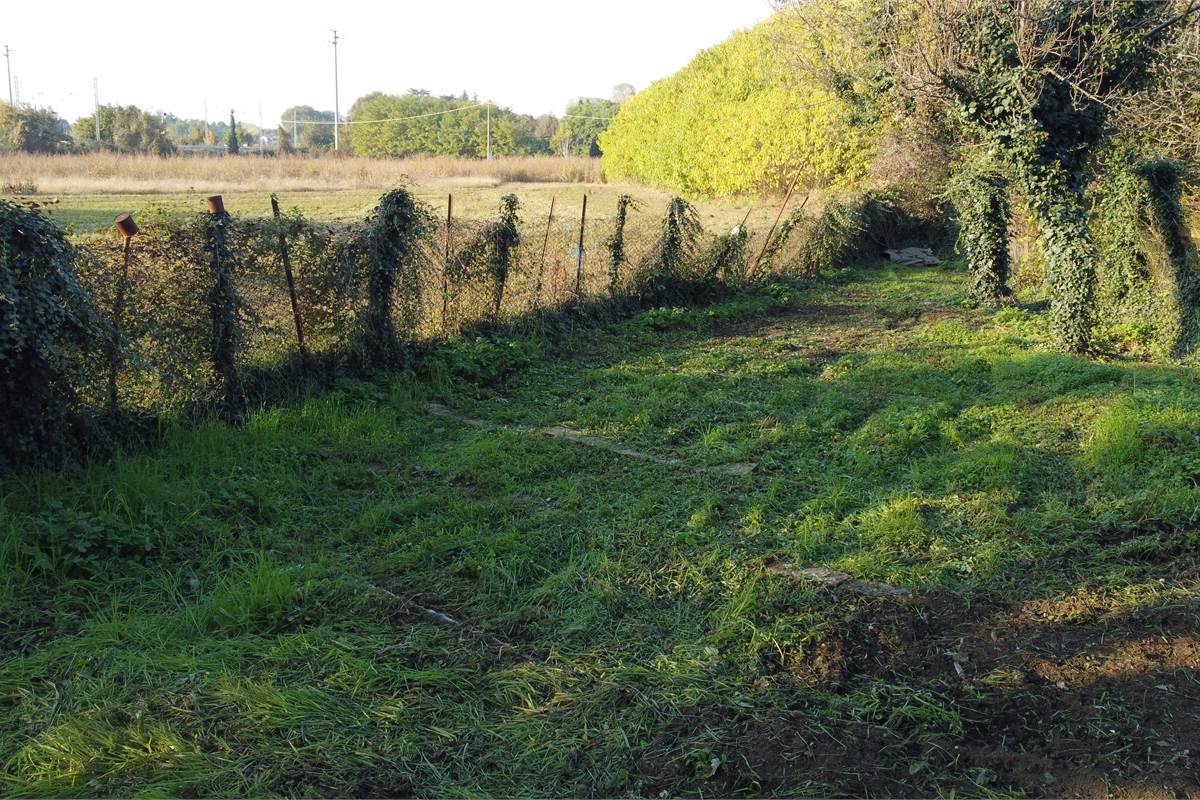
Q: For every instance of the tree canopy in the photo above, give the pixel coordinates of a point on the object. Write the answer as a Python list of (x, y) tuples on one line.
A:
[(736, 119), (418, 123)]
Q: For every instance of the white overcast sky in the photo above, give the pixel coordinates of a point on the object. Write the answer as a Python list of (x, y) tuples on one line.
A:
[(532, 55)]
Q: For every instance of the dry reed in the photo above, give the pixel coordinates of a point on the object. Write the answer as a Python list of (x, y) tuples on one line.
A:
[(108, 173)]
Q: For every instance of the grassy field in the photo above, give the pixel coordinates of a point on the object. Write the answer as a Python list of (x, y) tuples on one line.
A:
[(842, 538), (472, 200), (86, 192)]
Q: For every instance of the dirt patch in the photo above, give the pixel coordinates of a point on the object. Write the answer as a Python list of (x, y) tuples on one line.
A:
[(1062, 697)]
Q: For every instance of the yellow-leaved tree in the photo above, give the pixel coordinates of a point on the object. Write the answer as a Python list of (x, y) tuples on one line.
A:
[(737, 119)]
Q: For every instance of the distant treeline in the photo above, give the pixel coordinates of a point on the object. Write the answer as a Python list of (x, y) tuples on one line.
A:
[(381, 125)]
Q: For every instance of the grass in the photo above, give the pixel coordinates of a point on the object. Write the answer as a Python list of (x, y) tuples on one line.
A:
[(85, 192), (472, 200), (243, 610)]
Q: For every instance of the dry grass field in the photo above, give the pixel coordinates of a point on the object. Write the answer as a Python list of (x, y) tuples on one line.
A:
[(85, 192), (111, 173)]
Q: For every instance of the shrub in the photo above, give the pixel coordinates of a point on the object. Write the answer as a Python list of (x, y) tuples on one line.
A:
[(737, 119), (395, 231), (672, 260), (1147, 288), (983, 212), (48, 324)]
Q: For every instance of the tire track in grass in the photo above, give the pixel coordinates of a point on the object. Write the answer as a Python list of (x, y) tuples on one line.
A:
[(569, 434)]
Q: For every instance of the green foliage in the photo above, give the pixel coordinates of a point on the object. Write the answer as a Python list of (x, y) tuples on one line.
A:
[(856, 229), (1016, 81), (314, 137), (441, 131), (126, 129), (26, 129), (224, 308), (1148, 289), (615, 243), (979, 194), (232, 140), (48, 327), (396, 230), (735, 120), (727, 254), (485, 362), (579, 132), (673, 260), (490, 254)]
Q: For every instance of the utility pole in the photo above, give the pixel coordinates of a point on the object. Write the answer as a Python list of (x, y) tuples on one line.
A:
[(8, 65), (489, 132), (262, 132), (295, 141), (337, 111), (17, 88), (96, 95)]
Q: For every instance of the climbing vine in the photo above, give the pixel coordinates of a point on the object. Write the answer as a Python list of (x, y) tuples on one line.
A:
[(979, 193), (48, 325), (674, 251), (615, 243), (395, 231)]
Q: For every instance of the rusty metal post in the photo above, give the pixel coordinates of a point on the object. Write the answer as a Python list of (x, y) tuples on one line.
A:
[(446, 266), (537, 286), (291, 280), (128, 229), (775, 224), (579, 254)]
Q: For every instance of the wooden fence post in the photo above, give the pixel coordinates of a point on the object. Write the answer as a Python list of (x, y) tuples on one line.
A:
[(222, 304), (128, 228)]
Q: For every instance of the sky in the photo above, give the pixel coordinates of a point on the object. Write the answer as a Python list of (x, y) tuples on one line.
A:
[(534, 56)]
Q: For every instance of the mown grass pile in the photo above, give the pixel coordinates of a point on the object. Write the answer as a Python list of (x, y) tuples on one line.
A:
[(244, 610)]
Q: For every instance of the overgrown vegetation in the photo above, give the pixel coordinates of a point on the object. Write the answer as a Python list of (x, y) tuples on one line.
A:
[(980, 195), (735, 120), (48, 329), (254, 609)]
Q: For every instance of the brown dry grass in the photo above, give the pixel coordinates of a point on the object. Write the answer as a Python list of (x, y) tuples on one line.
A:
[(110, 173)]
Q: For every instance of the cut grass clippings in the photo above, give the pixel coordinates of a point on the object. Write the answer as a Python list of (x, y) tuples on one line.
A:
[(241, 611)]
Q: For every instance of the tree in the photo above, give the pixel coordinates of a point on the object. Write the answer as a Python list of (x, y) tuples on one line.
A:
[(1035, 82), (32, 130), (126, 129), (419, 123), (622, 92), (314, 129), (739, 118), (579, 131), (231, 140)]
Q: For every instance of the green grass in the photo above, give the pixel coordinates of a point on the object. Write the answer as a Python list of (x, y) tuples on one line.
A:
[(233, 613)]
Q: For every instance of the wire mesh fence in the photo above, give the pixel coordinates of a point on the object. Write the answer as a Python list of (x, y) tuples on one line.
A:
[(456, 281)]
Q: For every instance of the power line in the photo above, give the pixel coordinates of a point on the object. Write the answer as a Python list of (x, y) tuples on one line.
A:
[(8, 64), (337, 111), (391, 119)]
